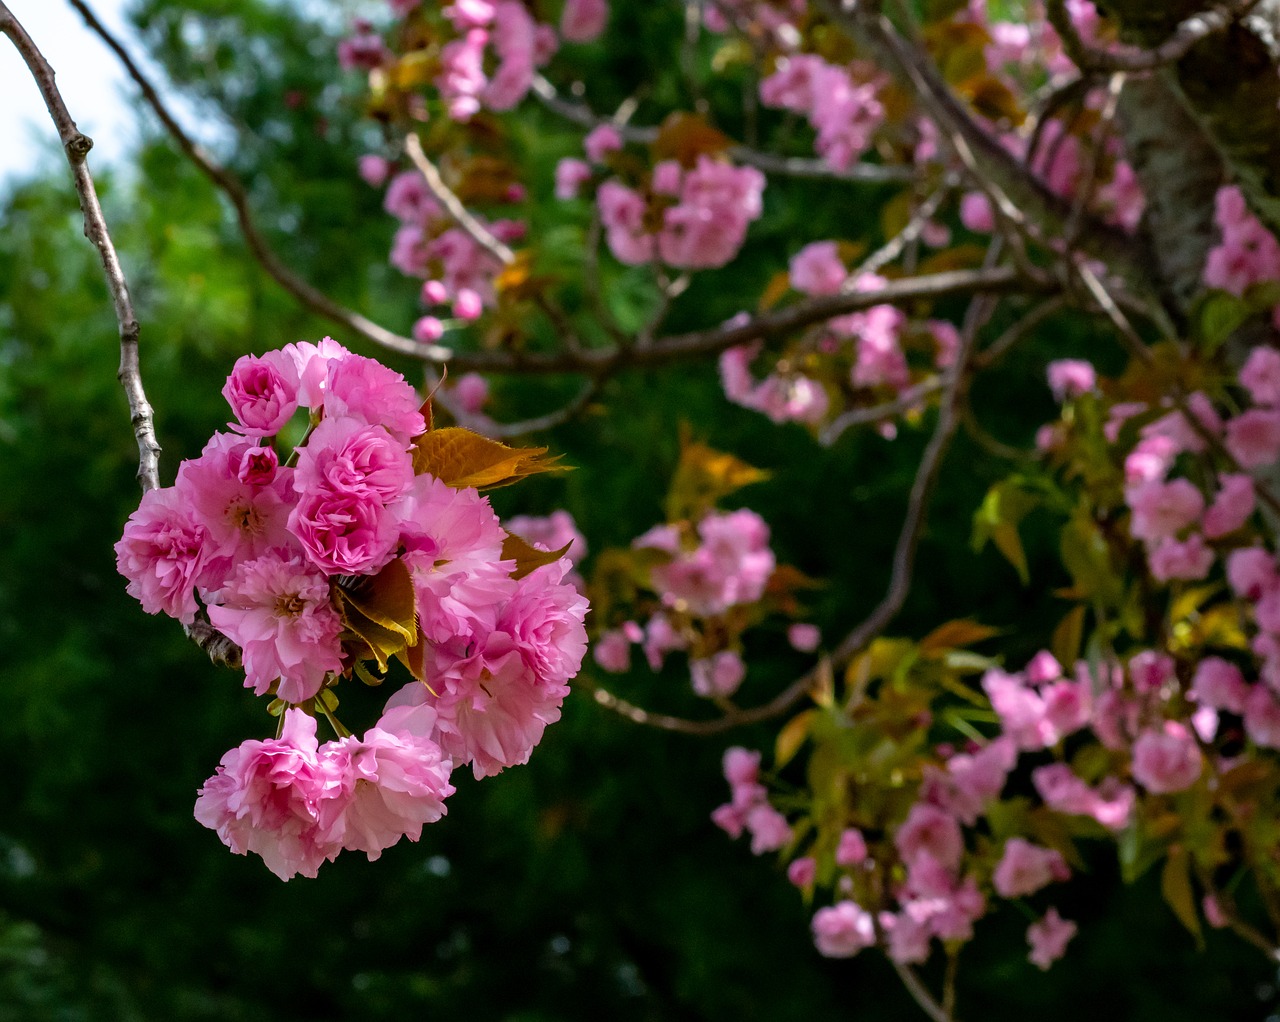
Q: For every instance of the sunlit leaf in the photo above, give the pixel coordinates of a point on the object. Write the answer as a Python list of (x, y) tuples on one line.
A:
[(955, 635), (792, 736), (703, 476), (462, 458), (684, 137), (1178, 893)]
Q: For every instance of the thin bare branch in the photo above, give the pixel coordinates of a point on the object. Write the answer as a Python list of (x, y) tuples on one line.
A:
[(1189, 32), (904, 402), (76, 145), (1003, 344), (444, 195), (886, 610), (920, 994), (896, 245), (314, 299)]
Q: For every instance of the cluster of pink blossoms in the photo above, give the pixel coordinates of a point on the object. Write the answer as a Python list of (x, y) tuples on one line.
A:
[(1248, 253), (870, 342), (841, 103), (691, 218), (456, 270), (703, 577), (275, 554)]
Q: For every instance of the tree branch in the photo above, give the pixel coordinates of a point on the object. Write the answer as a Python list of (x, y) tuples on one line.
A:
[(76, 145), (885, 611), (314, 299), (770, 163), (1188, 33), (920, 994)]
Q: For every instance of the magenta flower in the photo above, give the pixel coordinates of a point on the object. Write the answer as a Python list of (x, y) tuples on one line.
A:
[(277, 609), (262, 393), (348, 454), (164, 553), (1167, 760), (265, 798), (345, 531), (367, 391), (1025, 868)]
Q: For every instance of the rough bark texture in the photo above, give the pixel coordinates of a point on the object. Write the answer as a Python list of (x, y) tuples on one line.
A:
[(1231, 85), (1180, 170)]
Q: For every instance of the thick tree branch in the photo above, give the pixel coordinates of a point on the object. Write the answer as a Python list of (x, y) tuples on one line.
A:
[(1188, 33), (76, 145), (1017, 192)]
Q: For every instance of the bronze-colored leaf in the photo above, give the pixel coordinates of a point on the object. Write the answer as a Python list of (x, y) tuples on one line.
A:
[(703, 476), (379, 613), (955, 635), (684, 137), (527, 557), (462, 458)]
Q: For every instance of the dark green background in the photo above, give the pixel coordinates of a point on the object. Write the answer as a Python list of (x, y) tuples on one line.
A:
[(588, 885)]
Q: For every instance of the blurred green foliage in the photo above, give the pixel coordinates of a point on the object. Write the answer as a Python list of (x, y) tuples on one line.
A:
[(589, 884)]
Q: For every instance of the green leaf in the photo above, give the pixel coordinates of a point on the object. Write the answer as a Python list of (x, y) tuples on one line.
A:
[(1176, 888), (1219, 316), (996, 521)]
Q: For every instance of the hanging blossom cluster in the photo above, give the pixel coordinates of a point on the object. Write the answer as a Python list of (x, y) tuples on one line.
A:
[(698, 584), (368, 543)]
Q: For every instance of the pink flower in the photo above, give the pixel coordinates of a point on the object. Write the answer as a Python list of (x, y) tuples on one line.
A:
[(741, 766), (1048, 938), (262, 393), (1150, 460), (266, 796), (817, 269), (164, 553), (1251, 572), (1026, 868), (801, 872), (768, 827), (930, 830), (312, 363), (428, 329), (394, 780), (1111, 804), (718, 675), (1253, 437), (373, 169), (1167, 760), (1260, 376), (349, 454), (622, 211), (1020, 708), (551, 532), (1163, 509), (851, 849), (367, 391), (976, 213), (571, 175), (1232, 506), (612, 651), (973, 780), (843, 929), (1262, 717), (276, 608), (1043, 667), (804, 637), (1151, 671), (582, 21), (1219, 683), (244, 518), (602, 140), (1189, 559), (1070, 378), (345, 531)]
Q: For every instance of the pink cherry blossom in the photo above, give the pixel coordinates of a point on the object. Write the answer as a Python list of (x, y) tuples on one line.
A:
[(582, 21), (612, 651), (262, 393), (1070, 378), (1163, 509), (804, 637), (367, 391), (266, 798), (602, 140), (717, 675), (164, 553), (1048, 938), (1262, 717), (1166, 760), (1260, 376), (851, 849), (1253, 437), (843, 929), (930, 830), (571, 175), (1232, 506), (1188, 559), (1251, 572), (801, 872), (1025, 868), (276, 608), (1219, 683), (817, 269)]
